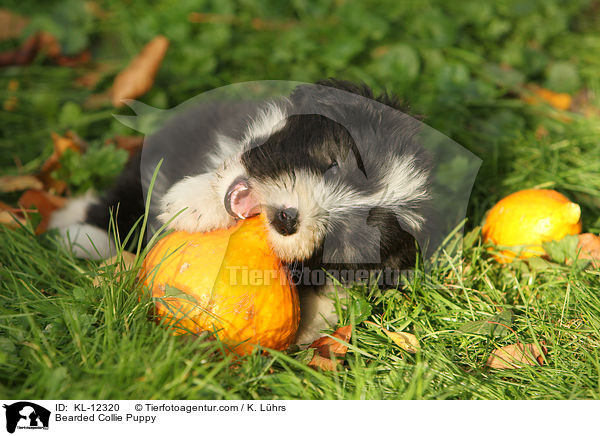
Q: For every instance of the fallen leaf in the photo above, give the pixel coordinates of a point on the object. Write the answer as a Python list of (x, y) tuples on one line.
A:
[(10, 216), (10, 219), (516, 356), (61, 144), (496, 325), (326, 346), (138, 77), (73, 61), (121, 262), (11, 24), (22, 55), (322, 363), (589, 246), (19, 183), (40, 42), (406, 341), (45, 203), (558, 100)]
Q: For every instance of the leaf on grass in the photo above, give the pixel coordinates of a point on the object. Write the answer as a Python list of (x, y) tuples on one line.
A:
[(121, 262), (10, 216), (360, 308), (563, 250), (558, 100), (322, 363), (326, 346), (497, 325), (19, 183), (10, 219), (40, 42), (589, 248), (61, 144), (138, 77), (45, 203), (11, 24), (406, 341), (516, 356)]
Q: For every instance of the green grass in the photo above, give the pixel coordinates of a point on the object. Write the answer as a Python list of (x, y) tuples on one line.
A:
[(61, 337)]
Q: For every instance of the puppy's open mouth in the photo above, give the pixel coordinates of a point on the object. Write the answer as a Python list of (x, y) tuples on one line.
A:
[(240, 201)]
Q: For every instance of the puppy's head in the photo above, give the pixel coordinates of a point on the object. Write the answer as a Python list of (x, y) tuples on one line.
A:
[(339, 181)]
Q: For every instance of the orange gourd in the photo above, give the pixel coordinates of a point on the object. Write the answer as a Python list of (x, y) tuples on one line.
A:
[(228, 282)]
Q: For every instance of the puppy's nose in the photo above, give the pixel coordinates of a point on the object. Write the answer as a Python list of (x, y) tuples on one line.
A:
[(285, 221)]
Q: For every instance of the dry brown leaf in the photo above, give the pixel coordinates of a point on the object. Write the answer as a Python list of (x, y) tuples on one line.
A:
[(326, 345), (138, 77), (19, 183), (44, 203), (406, 341), (73, 61), (10, 219), (40, 42), (11, 24), (322, 363), (127, 263), (558, 100), (61, 143), (589, 246), (516, 356), (11, 216)]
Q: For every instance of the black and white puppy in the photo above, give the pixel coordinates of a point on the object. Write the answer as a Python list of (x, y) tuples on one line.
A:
[(338, 174)]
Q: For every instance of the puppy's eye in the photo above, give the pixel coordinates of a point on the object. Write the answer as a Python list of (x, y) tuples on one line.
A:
[(333, 167)]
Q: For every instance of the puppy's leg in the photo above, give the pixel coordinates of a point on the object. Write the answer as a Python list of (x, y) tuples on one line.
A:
[(317, 312), (83, 222), (195, 205), (84, 239)]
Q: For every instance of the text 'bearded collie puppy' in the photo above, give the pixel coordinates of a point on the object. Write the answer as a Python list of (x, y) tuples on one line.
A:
[(338, 174)]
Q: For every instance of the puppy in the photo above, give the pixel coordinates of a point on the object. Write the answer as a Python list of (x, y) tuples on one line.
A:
[(338, 174)]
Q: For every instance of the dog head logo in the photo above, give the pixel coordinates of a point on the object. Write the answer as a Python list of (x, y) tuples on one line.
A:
[(346, 181), (26, 415)]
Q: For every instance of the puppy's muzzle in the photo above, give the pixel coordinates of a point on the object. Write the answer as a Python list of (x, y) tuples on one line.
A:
[(240, 201), (285, 221)]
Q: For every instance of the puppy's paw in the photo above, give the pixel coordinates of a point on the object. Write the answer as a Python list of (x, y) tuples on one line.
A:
[(317, 313), (194, 205)]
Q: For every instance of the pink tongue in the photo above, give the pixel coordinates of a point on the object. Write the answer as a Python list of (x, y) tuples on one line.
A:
[(243, 202)]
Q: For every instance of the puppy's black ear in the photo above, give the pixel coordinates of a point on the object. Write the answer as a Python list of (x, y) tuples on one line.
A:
[(399, 249)]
